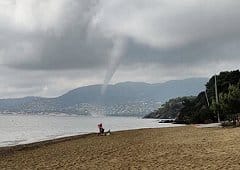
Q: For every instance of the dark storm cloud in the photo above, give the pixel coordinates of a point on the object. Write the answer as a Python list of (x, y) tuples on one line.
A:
[(196, 53), (66, 44), (71, 41), (81, 34)]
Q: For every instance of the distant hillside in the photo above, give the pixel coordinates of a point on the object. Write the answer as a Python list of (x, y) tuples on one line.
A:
[(134, 91), (128, 98)]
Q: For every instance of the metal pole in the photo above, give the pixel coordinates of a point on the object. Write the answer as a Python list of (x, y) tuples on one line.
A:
[(217, 101)]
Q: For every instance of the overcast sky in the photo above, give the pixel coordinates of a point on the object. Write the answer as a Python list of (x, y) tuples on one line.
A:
[(48, 47)]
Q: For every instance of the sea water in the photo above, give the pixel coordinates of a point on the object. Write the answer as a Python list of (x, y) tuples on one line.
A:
[(22, 129)]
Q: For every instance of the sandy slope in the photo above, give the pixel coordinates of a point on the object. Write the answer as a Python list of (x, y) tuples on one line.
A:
[(166, 148)]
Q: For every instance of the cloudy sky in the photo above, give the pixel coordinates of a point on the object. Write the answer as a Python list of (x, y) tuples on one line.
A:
[(48, 47)]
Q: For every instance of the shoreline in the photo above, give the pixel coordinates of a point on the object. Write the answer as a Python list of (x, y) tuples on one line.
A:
[(5, 150), (186, 147), (78, 135), (18, 130)]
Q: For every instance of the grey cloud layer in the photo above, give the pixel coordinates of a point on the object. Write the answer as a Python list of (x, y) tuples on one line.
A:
[(61, 44), (78, 36)]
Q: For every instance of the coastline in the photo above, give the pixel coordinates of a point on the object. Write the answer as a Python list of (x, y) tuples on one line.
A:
[(186, 147), (17, 130), (6, 150), (66, 137)]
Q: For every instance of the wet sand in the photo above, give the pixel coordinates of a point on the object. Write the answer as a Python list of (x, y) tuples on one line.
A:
[(165, 148)]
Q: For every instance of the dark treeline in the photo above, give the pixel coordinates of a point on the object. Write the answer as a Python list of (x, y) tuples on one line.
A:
[(171, 109), (201, 111)]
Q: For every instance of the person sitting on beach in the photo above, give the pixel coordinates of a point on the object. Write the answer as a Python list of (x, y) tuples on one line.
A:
[(101, 130)]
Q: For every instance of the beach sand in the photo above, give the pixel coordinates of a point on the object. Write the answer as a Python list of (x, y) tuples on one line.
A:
[(165, 148)]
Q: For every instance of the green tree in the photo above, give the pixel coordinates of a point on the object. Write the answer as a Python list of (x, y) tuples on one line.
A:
[(234, 98), (228, 85), (224, 104), (230, 102), (216, 109)]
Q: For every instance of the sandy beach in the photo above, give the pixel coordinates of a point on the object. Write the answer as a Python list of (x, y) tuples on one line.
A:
[(165, 148)]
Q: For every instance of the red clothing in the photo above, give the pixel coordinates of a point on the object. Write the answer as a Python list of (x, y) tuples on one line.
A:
[(100, 125), (101, 130)]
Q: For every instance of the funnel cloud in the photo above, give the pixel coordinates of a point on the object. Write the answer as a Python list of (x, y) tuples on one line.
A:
[(115, 58), (49, 47)]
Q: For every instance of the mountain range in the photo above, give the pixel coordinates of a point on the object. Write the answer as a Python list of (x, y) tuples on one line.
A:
[(127, 98)]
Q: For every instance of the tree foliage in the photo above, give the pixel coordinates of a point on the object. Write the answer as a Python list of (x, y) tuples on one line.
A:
[(228, 86), (170, 109), (230, 101)]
